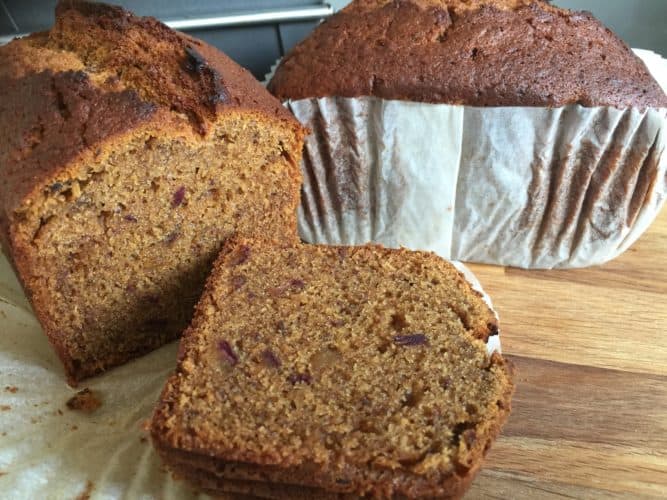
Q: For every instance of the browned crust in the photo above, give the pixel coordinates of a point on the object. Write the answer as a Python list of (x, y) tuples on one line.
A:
[(205, 478), (211, 469), (482, 53), (47, 120), (261, 481), (174, 70), (144, 73), (214, 475)]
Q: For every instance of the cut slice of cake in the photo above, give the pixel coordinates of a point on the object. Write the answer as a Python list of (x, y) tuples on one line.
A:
[(347, 370), (128, 154)]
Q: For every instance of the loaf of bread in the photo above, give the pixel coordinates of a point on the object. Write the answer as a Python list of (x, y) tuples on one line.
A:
[(499, 131), (479, 53), (128, 154), (333, 372)]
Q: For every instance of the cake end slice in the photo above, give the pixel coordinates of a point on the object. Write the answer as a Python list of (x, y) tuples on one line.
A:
[(357, 371)]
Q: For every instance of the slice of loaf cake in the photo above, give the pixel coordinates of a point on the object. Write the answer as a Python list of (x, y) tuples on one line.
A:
[(128, 154), (348, 370)]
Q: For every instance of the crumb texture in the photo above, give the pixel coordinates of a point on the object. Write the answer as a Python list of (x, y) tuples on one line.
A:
[(479, 53), (129, 153), (359, 371), (85, 401)]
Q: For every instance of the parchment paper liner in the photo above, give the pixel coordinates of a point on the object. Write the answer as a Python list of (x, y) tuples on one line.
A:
[(519, 186)]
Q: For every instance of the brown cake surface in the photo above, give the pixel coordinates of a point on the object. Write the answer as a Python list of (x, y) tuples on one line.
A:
[(479, 53), (128, 154), (318, 371)]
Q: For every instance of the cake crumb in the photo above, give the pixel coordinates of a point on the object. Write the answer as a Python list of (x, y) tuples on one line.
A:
[(11, 388), (2, 473), (374, 378), (85, 401), (5, 407), (85, 494)]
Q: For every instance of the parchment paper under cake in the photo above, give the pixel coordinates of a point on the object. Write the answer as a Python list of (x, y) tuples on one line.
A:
[(520, 186)]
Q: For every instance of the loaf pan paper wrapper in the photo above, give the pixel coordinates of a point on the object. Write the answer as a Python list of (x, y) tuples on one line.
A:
[(49, 452), (519, 186)]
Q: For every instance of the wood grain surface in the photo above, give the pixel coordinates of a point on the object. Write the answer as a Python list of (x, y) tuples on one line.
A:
[(589, 415)]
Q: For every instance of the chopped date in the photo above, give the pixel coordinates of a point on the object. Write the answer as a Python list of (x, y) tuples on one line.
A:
[(220, 94), (446, 382), (178, 197), (227, 352), (238, 282), (415, 339), (194, 61), (112, 80), (269, 357), (469, 437), (297, 285), (296, 378), (171, 237), (241, 256), (196, 64)]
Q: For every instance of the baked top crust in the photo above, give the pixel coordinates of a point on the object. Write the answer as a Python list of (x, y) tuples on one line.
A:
[(479, 53)]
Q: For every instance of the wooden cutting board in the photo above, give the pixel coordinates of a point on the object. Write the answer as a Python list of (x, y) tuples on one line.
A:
[(589, 415)]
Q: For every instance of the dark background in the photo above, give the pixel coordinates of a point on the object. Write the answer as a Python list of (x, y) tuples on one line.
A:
[(641, 23)]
